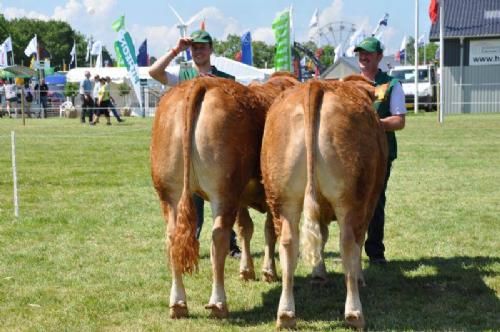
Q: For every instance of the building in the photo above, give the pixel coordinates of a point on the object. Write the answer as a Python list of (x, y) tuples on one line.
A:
[(471, 70)]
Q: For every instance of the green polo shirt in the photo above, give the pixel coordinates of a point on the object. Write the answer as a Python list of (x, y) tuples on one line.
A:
[(191, 72)]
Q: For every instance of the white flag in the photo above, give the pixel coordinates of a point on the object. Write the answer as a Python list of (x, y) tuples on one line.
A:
[(314, 20), (3, 56), (8, 44), (89, 47), (73, 52), (32, 47), (421, 40), (98, 62), (339, 52), (403, 44), (96, 48)]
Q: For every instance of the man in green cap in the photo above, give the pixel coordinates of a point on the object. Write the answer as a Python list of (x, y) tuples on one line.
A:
[(201, 46), (200, 43), (390, 106)]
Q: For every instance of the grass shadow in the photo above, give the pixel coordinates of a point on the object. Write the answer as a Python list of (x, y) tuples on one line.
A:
[(425, 294)]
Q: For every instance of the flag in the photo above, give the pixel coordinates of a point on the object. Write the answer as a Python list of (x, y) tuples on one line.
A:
[(434, 11), (98, 61), (401, 54), (4, 62), (119, 24), (354, 40), (142, 56), (72, 63), (96, 48), (314, 20), (237, 56), (32, 47), (382, 22), (281, 28), (246, 48), (338, 52), (127, 51), (8, 44), (89, 47), (421, 40), (202, 26)]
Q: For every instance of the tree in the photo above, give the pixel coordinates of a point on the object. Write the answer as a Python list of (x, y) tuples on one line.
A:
[(263, 54)]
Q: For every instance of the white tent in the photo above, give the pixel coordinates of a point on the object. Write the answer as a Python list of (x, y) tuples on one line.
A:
[(243, 73)]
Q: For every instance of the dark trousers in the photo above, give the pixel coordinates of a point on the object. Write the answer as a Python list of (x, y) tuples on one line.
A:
[(198, 203), (374, 244), (87, 108)]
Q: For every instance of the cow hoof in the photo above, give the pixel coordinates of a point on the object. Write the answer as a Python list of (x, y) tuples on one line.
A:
[(355, 319), (179, 310), (269, 276), (247, 275), (218, 310), (286, 320)]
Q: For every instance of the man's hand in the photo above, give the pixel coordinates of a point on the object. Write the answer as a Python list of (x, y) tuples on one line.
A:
[(183, 44)]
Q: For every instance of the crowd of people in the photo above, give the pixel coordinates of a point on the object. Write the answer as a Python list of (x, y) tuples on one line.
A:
[(12, 93)]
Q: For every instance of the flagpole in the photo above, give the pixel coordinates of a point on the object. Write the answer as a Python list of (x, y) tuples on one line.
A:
[(441, 59), (416, 59)]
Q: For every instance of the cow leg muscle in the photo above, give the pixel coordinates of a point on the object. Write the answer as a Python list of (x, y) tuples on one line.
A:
[(319, 270)]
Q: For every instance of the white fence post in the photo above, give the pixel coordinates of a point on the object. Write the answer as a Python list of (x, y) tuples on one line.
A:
[(14, 174)]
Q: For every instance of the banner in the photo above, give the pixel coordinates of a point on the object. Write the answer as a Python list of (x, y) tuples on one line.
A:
[(127, 51), (246, 49), (142, 56), (3, 56), (119, 60), (281, 28), (484, 52), (72, 63), (434, 11)]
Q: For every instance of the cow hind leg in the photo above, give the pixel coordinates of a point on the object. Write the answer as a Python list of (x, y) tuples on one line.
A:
[(288, 251), (177, 304), (351, 255), (221, 231), (269, 266), (319, 276), (244, 226)]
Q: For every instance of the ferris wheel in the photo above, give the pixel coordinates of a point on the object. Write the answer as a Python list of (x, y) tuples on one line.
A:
[(334, 33)]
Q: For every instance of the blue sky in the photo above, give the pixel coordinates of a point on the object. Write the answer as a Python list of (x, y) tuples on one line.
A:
[(154, 20)]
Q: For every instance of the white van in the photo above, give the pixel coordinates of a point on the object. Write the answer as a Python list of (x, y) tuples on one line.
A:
[(427, 89)]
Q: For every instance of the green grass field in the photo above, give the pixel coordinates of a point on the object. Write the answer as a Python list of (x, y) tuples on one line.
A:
[(86, 253)]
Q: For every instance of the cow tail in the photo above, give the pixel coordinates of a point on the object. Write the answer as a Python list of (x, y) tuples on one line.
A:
[(185, 246), (311, 235)]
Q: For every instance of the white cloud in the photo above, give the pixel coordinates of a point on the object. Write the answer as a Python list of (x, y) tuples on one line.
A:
[(99, 7), (12, 13), (71, 10), (264, 34)]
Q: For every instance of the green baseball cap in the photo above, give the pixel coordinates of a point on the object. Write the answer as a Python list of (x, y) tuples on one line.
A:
[(370, 44), (201, 36)]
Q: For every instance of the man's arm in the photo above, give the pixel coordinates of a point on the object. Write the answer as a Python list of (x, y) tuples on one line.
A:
[(157, 70), (398, 110), (393, 122)]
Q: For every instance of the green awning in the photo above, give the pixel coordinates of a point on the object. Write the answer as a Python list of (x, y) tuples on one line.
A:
[(19, 71)]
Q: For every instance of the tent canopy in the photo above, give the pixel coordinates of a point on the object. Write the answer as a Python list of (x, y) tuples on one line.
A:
[(55, 79), (17, 71), (243, 73)]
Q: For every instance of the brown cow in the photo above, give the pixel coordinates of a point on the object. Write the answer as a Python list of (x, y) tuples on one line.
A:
[(206, 139), (324, 152)]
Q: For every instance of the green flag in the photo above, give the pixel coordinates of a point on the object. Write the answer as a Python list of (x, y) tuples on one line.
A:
[(119, 24), (281, 27)]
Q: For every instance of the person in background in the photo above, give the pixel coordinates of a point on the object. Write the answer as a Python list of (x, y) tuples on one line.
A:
[(28, 96), (11, 97), (43, 90), (95, 96), (86, 98), (391, 109), (201, 45), (103, 102), (112, 101)]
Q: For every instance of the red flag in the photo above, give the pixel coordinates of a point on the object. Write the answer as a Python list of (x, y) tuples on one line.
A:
[(434, 11), (237, 56), (202, 25)]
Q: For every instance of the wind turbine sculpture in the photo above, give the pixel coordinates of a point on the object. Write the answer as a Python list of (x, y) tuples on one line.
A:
[(182, 26)]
